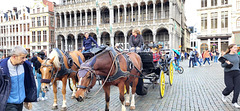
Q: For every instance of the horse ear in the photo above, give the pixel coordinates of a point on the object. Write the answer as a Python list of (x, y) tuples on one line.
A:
[(39, 59), (51, 61)]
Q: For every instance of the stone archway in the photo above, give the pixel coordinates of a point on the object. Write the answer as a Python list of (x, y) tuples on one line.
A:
[(60, 42), (70, 42), (105, 38), (105, 14), (162, 37), (147, 35), (119, 38), (80, 39)]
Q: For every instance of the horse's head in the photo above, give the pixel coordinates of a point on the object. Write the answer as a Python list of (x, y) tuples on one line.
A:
[(47, 71), (86, 80)]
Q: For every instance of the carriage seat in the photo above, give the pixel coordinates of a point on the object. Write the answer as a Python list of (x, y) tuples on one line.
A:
[(98, 49)]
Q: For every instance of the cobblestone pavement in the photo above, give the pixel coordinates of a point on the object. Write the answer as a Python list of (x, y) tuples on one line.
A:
[(198, 89)]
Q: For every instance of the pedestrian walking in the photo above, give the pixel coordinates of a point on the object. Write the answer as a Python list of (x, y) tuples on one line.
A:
[(17, 84), (191, 58), (231, 75), (216, 55), (206, 57)]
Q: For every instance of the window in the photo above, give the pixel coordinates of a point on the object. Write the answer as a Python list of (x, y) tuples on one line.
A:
[(44, 47), (214, 16), (24, 16), (213, 2), (20, 27), (39, 47), (13, 28), (28, 27), (204, 21), (204, 3), (39, 36), (238, 22), (38, 21), (10, 29), (42, 9), (238, 4), (52, 21), (1, 29), (33, 47), (44, 36), (38, 10), (24, 27), (52, 36), (33, 22), (44, 21), (17, 28), (33, 36), (224, 2), (33, 10), (224, 19)]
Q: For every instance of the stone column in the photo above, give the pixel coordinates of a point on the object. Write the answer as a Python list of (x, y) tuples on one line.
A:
[(111, 15), (125, 41), (170, 40), (92, 17), (55, 20), (98, 16), (56, 39), (60, 20), (118, 14), (70, 16), (76, 44), (112, 40), (66, 45), (162, 9), (132, 13), (154, 37), (99, 40), (154, 11), (62, 46), (81, 18), (86, 18), (139, 9), (219, 45), (75, 18), (146, 11), (209, 43), (125, 13), (65, 19)]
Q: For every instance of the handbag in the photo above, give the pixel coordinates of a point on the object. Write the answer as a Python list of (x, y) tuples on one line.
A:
[(222, 60)]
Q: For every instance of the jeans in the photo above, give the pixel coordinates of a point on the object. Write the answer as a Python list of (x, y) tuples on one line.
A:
[(14, 107), (232, 81), (197, 61), (39, 77), (215, 58), (206, 59), (191, 60)]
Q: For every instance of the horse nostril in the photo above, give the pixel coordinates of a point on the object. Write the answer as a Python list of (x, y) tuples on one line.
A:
[(79, 99), (45, 87)]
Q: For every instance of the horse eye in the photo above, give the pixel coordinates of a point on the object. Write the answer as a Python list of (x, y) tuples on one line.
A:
[(50, 71)]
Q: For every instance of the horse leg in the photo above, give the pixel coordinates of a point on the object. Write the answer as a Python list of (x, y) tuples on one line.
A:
[(74, 88), (55, 96), (106, 89), (134, 85), (64, 83), (121, 96), (127, 95)]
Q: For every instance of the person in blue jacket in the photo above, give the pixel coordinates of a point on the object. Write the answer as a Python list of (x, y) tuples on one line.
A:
[(17, 82), (87, 43)]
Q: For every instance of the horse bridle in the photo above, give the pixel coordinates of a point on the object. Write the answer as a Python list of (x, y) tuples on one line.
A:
[(52, 74), (92, 74)]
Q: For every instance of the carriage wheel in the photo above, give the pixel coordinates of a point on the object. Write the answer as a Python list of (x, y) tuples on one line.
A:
[(170, 73), (70, 84), (180, 69), (162, 84)]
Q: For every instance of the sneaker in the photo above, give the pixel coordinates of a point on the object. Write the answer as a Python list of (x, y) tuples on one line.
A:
[(224, 98), (236, 105), (38, 99), (42, 98), (45, 98)]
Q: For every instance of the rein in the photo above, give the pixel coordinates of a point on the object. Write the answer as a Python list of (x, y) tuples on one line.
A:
[(92, 71)]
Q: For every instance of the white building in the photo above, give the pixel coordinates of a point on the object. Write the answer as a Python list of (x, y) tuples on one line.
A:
[(42, 26), (215, 30), (236, 22), (14, 28), (112, 21)]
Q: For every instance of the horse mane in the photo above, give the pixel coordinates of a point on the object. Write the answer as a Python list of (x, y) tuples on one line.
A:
[(56, 61)]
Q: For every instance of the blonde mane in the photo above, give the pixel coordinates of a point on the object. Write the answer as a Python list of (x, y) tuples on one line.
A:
[(56, 61)]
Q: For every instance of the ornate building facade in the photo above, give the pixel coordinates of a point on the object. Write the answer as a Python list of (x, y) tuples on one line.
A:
[(215, 30), (14, 28), (42, 26), (112, 21)]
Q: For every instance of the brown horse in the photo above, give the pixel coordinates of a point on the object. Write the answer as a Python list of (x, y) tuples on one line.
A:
[(51, 67), (103, 64)]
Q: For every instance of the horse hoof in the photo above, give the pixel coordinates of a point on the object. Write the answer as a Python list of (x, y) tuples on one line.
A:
[(73, 97), (54, 107), (64, 109), (127, 104), (132, 107)]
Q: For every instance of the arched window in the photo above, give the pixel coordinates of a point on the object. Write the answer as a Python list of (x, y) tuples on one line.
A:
[(238, 22), (204, 47)]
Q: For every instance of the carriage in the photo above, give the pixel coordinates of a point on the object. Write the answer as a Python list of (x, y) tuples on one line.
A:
[(155, 72)]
